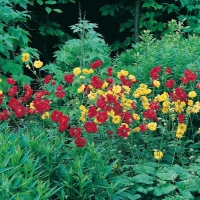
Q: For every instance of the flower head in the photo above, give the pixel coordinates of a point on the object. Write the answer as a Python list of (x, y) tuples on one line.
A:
[(38, 64)]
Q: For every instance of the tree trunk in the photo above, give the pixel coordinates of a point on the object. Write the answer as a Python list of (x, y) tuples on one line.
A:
[(136, 20)]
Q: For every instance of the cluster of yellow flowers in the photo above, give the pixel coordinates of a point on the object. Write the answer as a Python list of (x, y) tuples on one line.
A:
[(141, 91), (26, 57)]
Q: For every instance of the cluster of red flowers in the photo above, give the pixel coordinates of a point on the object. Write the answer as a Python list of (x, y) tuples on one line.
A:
[(189, 76), (96, 64), (178, 94), (60, 92), (154, 73), (69, 78), (170, 83), (61, 119), (96, 82)]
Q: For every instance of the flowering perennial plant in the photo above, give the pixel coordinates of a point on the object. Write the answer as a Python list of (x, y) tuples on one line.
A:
[(115, 103)]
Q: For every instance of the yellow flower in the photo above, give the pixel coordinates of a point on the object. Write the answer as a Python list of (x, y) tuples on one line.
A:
[(190, 102), (85, 71), (82, 107), (0, 80), (92, 95), (182, 127), (116, 89), (81, 88), (192, 94), (111, 113), (104, 85), (1, 92), (158, 154), (45, 115), (25, 57), (91, 71), (152, 126), (38, 64), (136, 129), (77, 71), (156, 83), (82, 118), (136, 117), (128, 89), (132, 78), (116, 119), (122, 73), (32, 105), (163, 97)]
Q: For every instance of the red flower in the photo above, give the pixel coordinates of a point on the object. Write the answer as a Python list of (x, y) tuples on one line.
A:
[(96, 82), (149, 114), (62, 127), (13, 103), (154, 72), (143, 127), (127, 117), (125, 81), (96, 64), (170, 83), (12, 91), (190, 76), (198, 86), (92, 112), (109, 81), (60, 94), (178, 94), (90, 127), (55, 115), (63, 119), (20, 111), (11, 81), (75, 132), (110, 71), (80, 142), (41, 105), (59, 88), (181, 118), (28, 93), (154, 105), (47, 78), (4, 115), (102, 117), (69, 78), (101, 102), (184, 80), (123, 131), (168, 70)]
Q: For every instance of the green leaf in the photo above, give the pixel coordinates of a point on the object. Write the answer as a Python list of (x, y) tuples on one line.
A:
[(40, 2), (143, 178), (48, 9), (58, 10), (50, 2), (164, 189)]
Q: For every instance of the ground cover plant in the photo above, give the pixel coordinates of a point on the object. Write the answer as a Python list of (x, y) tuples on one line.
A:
[(101, 128)]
